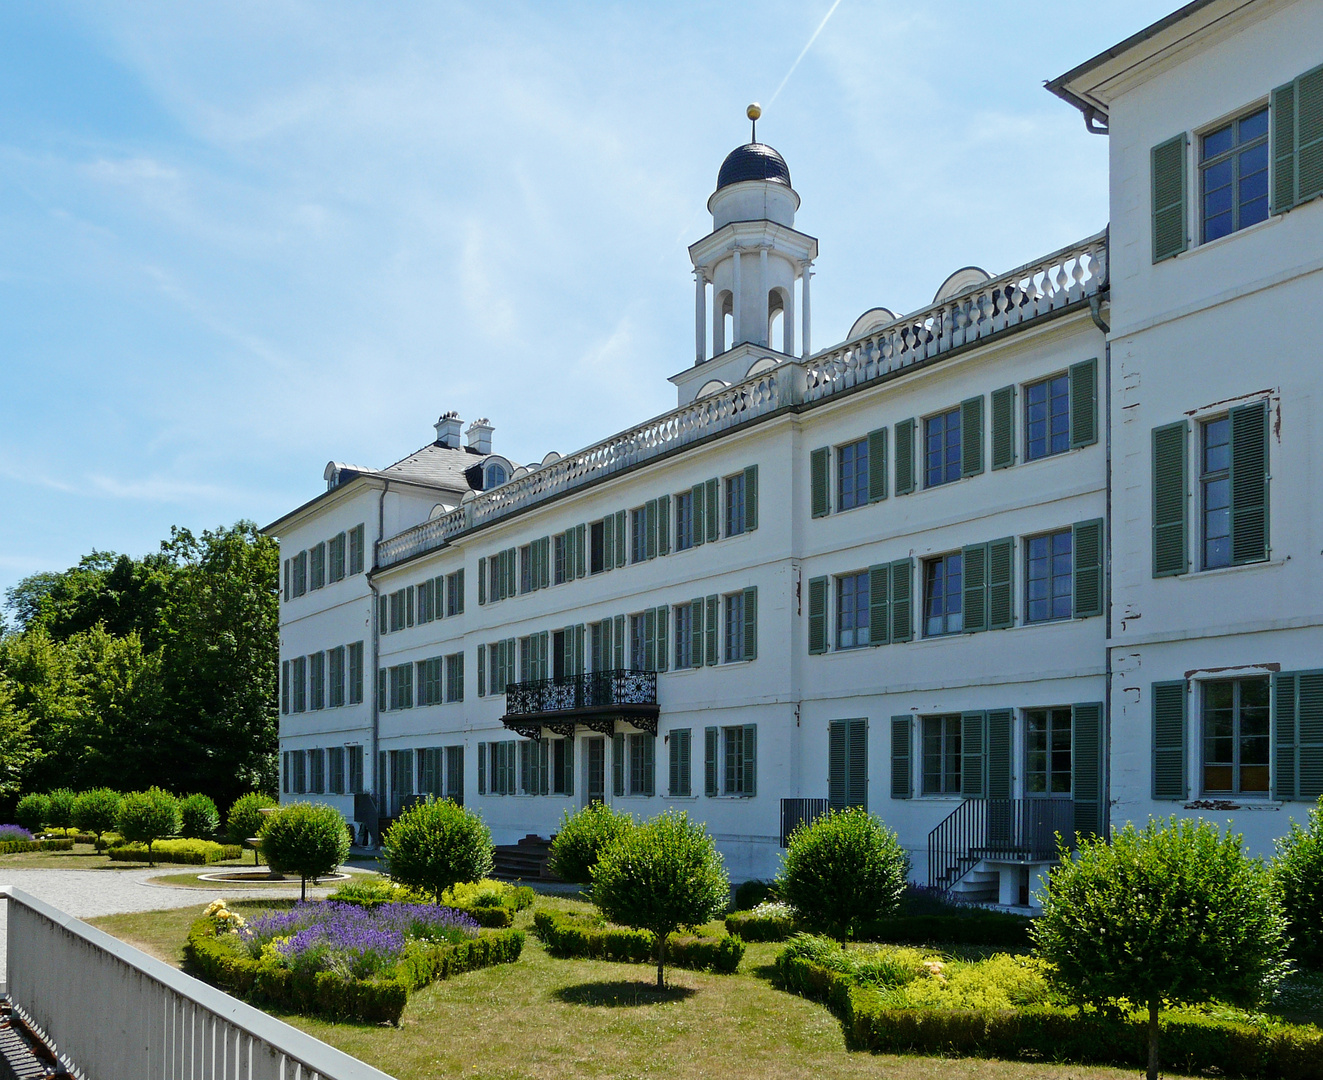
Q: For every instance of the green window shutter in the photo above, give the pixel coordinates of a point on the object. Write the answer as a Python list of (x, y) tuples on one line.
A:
[(1087, 549), (1003, 427), (999, 753), (749, 779), (1249, 483), (1309, 135), (856, 755), (836, 765), (650, 529), (902, 591), (973, 759), (383, 615), (820, 498), (1287, 782), (751, 623), (902, 786), (697, 499), (622, 537), (877, 465), (905, 458), (1167, 166), (975, 564), (713, 621), (664, 525), (482, 768), (1083, 381), (673, 741), (713, 512), (650, 639), (879, 629), (1299, 719), (663, 641), (1170, 454), (1001, 583), (710, 737), (609, 542), (1086, 723), (817, 616), (580, 554), (482, 581), (618, 764), (971, 436), (696, 632), (618, 641), (578, 648), (1169, 780), (751, 498), (482, 671), (1283, 148)]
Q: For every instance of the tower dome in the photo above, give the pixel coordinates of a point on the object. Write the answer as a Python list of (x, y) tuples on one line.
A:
[(753, 161)]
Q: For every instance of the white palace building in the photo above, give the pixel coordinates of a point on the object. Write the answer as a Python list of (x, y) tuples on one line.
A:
[(1046, 555)]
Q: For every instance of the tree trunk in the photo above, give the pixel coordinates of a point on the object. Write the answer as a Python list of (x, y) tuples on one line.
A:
[(661, 961), (303, 887), (1153, 1007), (149, 854)]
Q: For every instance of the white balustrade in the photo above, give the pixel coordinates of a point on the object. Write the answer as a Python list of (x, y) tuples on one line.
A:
[(114, 1013), (1062, 279)]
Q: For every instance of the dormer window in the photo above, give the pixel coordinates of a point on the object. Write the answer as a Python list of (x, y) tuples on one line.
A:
[(493, 476)]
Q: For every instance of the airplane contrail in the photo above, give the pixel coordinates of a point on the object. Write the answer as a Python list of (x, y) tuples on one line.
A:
[(830, 12)]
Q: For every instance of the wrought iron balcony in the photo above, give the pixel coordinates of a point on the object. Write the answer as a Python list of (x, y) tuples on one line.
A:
[(597, 699), (1004, 830)]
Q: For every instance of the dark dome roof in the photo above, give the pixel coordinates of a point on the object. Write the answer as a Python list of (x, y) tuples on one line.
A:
[(753, 161)]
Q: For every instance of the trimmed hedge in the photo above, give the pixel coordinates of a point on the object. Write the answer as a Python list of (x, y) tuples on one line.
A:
[(1191, 1043), (997, 928), (489, 918), (13, 847), (568, 935), (191, 852), (372, 1000)]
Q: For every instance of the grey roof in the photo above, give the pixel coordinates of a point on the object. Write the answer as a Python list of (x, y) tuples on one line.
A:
[(753, 161), (439, 466)]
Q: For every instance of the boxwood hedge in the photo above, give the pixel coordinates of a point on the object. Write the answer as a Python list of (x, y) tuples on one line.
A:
[(571, 935)]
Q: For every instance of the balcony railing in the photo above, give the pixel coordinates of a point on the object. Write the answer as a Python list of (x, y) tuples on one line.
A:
[(596, 699), (1065, 279), (1006, 830)]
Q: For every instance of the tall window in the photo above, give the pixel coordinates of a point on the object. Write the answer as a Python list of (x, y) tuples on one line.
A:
[(734, 627), (355, 784), (684, 521), (525, 569), (455, 593), (1236, 736), (299, 674), (355, 652), (335, 557), (401, 686), (941, 755), (735, 504), (638, 534), (680, 744), (563, 570), (317, 566), (335, 677), (1048, 577), (317, 680), (684, 635), (1047, 417), (597, 547), (642, 764), (852, 610), (335, 768), (356, 545), (942, 448), (1047, 752), (943, 610), (1215, 491), (852, 474), (1233, 175), (740, 760), (455, 677)]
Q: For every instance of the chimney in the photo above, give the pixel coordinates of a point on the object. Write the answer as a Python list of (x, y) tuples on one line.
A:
[(447, 430), (480, 436)]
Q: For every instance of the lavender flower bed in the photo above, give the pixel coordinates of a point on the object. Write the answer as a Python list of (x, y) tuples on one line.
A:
[(13, 832), (349, 940)]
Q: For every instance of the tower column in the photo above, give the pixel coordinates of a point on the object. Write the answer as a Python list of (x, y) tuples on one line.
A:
[(765, 330), (700, 317), (788, 324), (807, 313), (736, 305)]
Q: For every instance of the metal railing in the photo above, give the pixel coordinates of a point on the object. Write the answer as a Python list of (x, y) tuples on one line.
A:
[(114, 1013), (594, 689), (797, 812), (1022, 830), (1049, 285)]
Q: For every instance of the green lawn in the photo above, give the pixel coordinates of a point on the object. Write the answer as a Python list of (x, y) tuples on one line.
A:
[(86, 857), (543, 1017)]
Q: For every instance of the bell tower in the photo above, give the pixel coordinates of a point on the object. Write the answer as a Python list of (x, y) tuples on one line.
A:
[(746, 270)]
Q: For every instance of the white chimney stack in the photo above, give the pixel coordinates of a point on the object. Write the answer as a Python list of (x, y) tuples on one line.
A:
[(480, 436), (447, 430)]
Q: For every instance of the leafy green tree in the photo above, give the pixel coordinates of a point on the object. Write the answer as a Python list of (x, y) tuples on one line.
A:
[(582, 837), (842, 870), (148, 816), (16, 745), (1298, 869), (97, 811), (199, 818), (60, 815), (245, 818), (32, 812), (308, 839), (660, 876), (435, 845), (1175, 912)]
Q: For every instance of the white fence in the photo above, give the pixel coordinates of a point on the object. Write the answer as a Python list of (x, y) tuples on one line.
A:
[(114, 1013)]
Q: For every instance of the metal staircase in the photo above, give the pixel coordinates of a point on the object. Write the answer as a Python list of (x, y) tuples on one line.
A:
[(995, 830)]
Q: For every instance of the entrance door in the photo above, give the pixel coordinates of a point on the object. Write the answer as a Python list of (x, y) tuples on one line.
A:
[(594, 781)]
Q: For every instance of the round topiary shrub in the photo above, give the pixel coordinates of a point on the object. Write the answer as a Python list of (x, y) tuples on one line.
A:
[(97, 811), (32, 812), (1298, 870), (1175, 913), (435, 845), (244, 821), (581, 839), (199, 818), (308, 839), (660, 876), (843, 870), (60, 815), (148, 816)]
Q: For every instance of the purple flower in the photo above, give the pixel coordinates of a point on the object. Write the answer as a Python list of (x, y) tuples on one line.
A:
[(13, 832)]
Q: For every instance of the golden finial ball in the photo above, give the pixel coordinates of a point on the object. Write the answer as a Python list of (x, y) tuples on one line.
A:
[(754, 111)]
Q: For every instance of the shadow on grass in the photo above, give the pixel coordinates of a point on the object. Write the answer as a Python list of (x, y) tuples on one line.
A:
[(621, 994), (766, 972)]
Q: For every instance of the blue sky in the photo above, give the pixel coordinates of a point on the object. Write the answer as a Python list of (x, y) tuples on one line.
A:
[(238, 240)]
